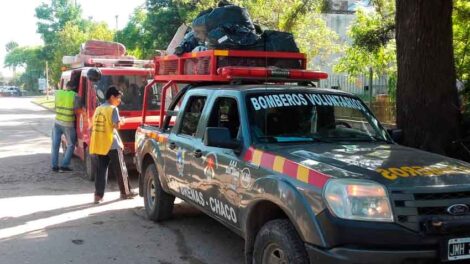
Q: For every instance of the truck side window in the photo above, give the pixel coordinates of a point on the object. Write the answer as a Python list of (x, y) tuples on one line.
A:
[(191, 115), (225, 114)]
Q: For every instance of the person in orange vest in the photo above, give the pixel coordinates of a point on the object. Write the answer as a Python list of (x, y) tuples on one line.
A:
[(107, 145)]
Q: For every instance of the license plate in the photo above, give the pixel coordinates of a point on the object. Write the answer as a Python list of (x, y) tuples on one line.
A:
[(458, 248)]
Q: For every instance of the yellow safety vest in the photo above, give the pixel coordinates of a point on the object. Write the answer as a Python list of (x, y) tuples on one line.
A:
[(64, 105), (102, 131)]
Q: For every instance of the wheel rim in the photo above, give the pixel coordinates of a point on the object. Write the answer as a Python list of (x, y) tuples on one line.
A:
[(273, 254), (151, 192)]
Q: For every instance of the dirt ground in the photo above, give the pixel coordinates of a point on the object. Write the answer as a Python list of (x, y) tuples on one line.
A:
[(48, 217)]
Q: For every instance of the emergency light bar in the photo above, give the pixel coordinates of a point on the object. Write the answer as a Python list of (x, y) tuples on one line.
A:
[(270, 73)]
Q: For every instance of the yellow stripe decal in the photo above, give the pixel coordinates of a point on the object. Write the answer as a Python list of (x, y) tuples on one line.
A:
[(278, 165), (302, 173), (257, 154)]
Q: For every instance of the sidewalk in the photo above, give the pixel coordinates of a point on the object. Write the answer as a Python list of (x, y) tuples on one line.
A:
[(45, 102)]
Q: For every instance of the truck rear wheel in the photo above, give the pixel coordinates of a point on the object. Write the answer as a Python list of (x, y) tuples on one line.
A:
[(158, 203), (90, 165), (278, 242)]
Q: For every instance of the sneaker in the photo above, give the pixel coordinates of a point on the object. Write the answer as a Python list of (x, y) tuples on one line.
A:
[(55, 169), (65, 169), (98, 199), (130, 195)]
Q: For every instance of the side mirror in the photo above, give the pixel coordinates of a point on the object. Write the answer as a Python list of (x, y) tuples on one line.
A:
[(396, 134), (100, 94), (94, 74), (219, 137)]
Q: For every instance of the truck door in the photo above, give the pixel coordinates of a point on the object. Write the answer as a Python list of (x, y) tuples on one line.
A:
[(180, 149), (219, 170), (82, 120)]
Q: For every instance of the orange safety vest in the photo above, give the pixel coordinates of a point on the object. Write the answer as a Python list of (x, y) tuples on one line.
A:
[(102, 131)]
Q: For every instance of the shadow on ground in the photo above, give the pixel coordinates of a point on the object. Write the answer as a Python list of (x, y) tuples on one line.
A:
[(48, 217)]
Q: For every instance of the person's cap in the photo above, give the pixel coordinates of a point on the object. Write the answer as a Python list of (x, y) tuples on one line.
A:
[(112, 91)]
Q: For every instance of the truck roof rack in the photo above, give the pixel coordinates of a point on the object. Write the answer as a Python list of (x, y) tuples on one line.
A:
[(81, 60), (225, 66)]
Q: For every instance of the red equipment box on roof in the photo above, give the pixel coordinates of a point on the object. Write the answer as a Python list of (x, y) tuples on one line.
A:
[(228, 65)]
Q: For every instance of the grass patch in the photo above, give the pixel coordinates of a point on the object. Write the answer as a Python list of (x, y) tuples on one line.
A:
[(47, 102)]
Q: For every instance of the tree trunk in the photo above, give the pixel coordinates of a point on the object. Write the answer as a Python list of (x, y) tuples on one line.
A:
[(427, 99)]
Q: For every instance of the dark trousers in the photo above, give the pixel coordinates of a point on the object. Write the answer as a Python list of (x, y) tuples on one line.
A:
[(114, 161)]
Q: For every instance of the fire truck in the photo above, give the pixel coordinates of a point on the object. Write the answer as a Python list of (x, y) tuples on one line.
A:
[(303, 174), (129, 75)]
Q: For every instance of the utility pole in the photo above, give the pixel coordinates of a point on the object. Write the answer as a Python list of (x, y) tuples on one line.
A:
[(117, 17), (371, 82), (47, 81)]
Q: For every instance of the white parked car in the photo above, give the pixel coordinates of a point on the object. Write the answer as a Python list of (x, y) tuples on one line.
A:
[(11, 91)]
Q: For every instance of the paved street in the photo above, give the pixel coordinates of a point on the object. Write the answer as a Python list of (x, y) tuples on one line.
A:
[(48, 217)]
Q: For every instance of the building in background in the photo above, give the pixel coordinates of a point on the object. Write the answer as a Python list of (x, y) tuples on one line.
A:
[(339, 16)]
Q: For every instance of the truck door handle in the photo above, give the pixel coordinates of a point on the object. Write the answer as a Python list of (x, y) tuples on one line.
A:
[(197, 153), (172, 145)]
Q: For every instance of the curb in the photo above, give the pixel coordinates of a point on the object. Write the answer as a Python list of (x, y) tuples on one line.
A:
[(47, 108)]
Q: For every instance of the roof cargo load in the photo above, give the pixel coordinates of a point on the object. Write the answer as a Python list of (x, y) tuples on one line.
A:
[(96, 53), (102, 48), (227, 65), (228, 15), (229, 27)]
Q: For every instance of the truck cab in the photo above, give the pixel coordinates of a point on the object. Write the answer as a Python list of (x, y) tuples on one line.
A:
[(303, 174)]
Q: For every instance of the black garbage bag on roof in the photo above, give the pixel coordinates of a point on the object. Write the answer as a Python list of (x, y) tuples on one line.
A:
[(188, 44), (230, 36), (279, 41), (225, 15)]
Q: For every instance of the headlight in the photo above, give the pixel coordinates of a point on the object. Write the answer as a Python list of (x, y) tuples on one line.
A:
[(358, 200)]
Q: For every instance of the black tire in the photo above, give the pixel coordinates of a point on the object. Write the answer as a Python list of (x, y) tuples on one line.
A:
[(90, 165), (278, 242), (158, 203)]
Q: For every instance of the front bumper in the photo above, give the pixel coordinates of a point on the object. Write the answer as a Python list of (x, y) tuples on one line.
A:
[(366, 256), (369, 242)]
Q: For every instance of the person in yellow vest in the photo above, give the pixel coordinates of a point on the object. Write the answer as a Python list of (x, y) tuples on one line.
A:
[(66, 103), (107, 145)]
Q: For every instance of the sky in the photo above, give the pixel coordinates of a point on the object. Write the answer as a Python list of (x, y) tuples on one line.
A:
[(18, 21)]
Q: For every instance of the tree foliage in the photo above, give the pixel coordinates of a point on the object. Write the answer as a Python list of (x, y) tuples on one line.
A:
[(30, 58), (135, 35), (144, 33), (461, 29), (374, 44), (11, 46), (63, 30), (71, 38), (52, 18)]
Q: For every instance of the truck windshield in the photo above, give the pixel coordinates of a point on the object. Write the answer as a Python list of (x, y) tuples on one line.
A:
[(132, 87), (311, 117)]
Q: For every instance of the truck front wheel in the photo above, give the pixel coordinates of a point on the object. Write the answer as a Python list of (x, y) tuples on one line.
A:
[(158, 203), (278, 242)]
